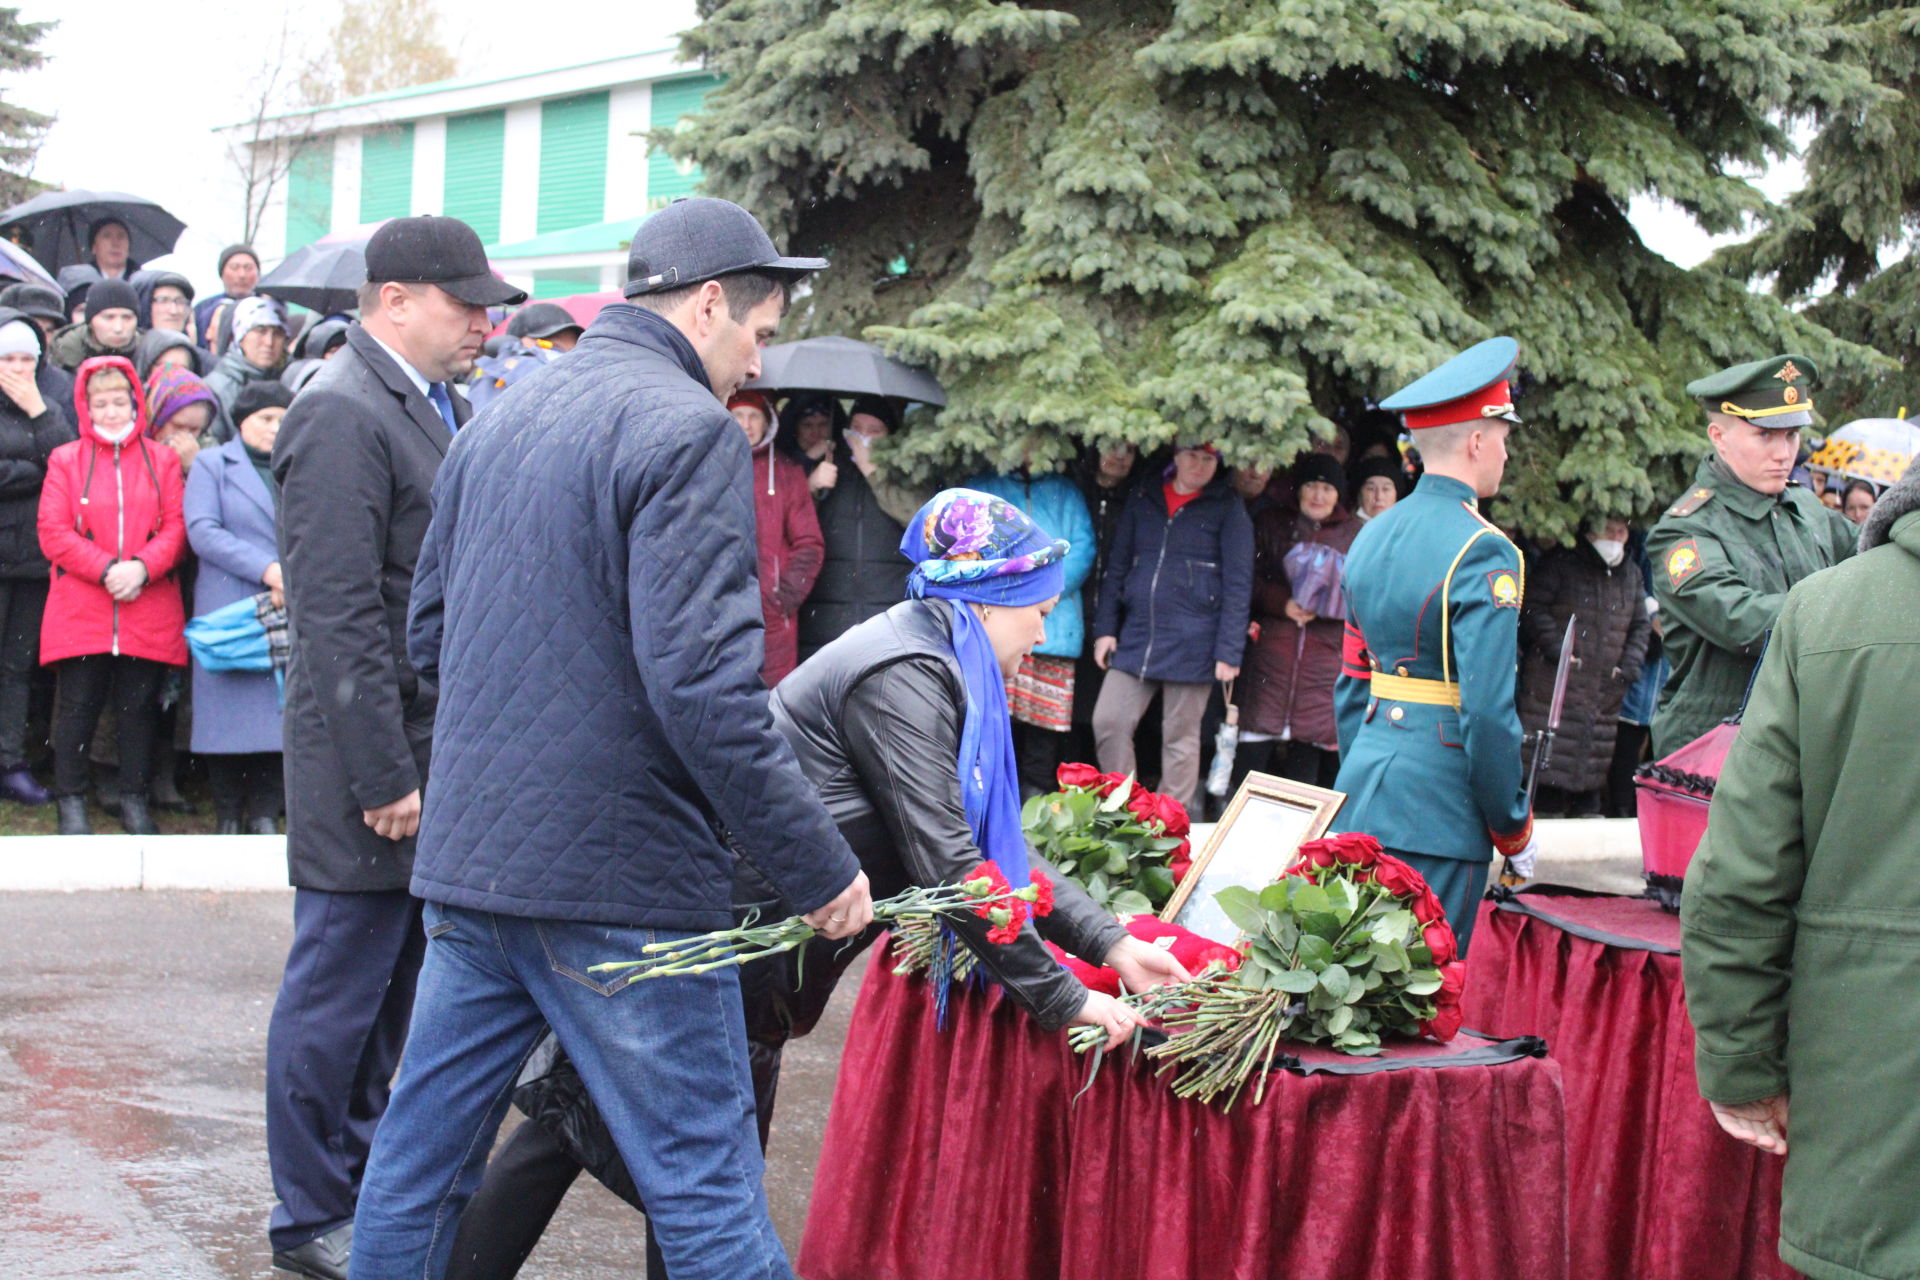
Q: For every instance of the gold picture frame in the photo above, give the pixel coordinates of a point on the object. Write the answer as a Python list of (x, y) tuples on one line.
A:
[(1254, 842)]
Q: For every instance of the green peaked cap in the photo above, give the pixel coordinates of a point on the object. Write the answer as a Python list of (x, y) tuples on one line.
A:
[(1775, 394)]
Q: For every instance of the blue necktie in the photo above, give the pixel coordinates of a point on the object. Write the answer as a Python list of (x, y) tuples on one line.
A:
[(437, 392)]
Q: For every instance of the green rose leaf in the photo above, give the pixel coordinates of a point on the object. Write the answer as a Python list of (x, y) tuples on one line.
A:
[(1242, 906), (1295, 981)]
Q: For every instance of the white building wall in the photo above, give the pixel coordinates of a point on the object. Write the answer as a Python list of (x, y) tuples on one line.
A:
[(346, 180), (520, 174), (629, 108), (429, 165)]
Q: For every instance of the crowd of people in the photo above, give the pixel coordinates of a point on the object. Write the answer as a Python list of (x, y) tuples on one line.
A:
[(1193, 586)]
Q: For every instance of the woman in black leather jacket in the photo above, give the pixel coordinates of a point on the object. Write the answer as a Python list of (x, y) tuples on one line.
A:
[(877, 719)]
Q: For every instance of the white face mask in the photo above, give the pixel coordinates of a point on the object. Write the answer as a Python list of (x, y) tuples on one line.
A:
[(115, 437), (1611, 550)]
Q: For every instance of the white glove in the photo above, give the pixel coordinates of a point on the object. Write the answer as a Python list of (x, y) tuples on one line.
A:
[(1525, 862)]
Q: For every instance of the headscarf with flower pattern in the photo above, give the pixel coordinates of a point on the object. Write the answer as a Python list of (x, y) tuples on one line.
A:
[(969, 546)]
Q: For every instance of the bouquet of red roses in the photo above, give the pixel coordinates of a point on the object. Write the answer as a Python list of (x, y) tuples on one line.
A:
[(1125, 845), (984, 891), (1348, 947)]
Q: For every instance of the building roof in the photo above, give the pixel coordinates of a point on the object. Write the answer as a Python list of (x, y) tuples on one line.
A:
[(600, 237), (477, 93)]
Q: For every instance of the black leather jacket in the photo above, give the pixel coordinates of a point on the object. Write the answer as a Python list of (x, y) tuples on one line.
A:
[(875, 719)]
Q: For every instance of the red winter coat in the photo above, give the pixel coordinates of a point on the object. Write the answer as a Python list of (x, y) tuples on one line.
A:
[(101, 503), (1290, 673), (791, 552)]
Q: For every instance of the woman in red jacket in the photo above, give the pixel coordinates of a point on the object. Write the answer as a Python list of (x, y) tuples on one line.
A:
[(791, 548), (110, 522)]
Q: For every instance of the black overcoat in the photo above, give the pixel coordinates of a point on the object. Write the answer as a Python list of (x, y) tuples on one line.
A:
[(356, 457)]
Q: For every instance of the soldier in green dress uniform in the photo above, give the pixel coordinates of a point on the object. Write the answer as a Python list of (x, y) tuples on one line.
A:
[(1429, 738), (1725, 555)]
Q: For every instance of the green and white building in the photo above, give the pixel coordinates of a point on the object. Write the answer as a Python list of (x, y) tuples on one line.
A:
[(552, 168)]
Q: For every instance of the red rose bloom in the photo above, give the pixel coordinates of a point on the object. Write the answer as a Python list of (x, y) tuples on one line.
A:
[(1084, 776), (1316, 853), (1453, 984), (1444, 1025), (1397, 878), (1439, 940), (1180, 861), (1172, 815), (1427, 908), (1361, 850), (1140, 805)]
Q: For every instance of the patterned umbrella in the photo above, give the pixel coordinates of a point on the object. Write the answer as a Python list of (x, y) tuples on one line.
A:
[(57, 222), (1877, 450)]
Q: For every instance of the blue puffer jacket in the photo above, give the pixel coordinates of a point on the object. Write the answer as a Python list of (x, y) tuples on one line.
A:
[(586, 598), (1179, 587), (1056, 506)]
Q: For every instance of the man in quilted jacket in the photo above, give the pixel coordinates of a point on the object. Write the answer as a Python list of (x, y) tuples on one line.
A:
[(604, 751)]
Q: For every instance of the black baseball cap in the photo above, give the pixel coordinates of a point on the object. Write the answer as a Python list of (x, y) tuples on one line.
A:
[(438, 251), (541, 320), (700, 238)]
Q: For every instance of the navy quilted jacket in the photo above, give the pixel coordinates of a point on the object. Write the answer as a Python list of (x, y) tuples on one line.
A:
[(586, 593)]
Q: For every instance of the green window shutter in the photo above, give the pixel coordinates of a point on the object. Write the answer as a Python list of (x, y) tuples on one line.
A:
[(673, 101), (573, 162), (476, 149), (565, 283), (386, 173), (310, 193)]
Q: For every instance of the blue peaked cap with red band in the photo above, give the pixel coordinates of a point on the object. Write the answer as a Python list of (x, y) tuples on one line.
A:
[(1470, 387)]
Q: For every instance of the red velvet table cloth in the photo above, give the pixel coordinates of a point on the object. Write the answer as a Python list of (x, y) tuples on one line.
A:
[(1659, 1192), (958, 1154)]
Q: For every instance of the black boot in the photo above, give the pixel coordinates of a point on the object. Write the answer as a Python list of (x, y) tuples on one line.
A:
[(135, 817), (73, 816)]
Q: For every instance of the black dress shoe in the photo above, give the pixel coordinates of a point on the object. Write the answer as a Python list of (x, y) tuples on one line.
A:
[(135, 817), (73, 816), (322, 1258)]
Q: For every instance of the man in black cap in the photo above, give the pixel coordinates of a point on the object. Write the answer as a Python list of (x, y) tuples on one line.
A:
[(356, 459), (587, 604), (545, 326)]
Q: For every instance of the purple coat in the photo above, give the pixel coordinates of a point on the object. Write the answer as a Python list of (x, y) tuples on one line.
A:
[(230, 522)]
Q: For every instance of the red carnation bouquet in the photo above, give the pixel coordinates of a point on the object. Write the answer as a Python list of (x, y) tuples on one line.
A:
[(984, 891), (1126, 845), (1348, 947)]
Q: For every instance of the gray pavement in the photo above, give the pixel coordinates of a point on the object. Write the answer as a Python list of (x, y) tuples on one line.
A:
[(132, 1138), (132, 1054)]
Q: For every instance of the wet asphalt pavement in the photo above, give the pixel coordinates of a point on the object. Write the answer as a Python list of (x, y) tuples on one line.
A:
[(132, 1135)]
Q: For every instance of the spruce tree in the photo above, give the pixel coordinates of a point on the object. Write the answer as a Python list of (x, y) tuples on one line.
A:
[(20, 129), (1248, 220), (1847, 236)]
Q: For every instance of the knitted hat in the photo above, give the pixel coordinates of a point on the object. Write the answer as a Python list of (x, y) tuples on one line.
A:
[(878, 407), (169, 390), (1367, 468), (226, 254), (267, 393), (754, 400), (1309, 467), (19, 338), (111, 295)]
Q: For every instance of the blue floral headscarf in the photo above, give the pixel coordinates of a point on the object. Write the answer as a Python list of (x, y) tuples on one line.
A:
[(969, 546)]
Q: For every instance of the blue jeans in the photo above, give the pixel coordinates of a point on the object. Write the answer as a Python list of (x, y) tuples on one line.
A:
[(665, 1060)]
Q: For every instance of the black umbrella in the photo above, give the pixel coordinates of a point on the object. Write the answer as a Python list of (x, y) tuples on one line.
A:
[(844, 366), (57, 222), (324, 277)]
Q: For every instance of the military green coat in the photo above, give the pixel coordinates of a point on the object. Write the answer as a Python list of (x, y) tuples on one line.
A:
[(1723, 558), (1801, 911)]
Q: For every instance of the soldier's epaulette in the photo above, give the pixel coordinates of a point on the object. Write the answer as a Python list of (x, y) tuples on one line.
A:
[(1695, 499), (1473, 511)]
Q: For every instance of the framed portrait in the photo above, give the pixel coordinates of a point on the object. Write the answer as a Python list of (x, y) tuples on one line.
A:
[(1252, 844)]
